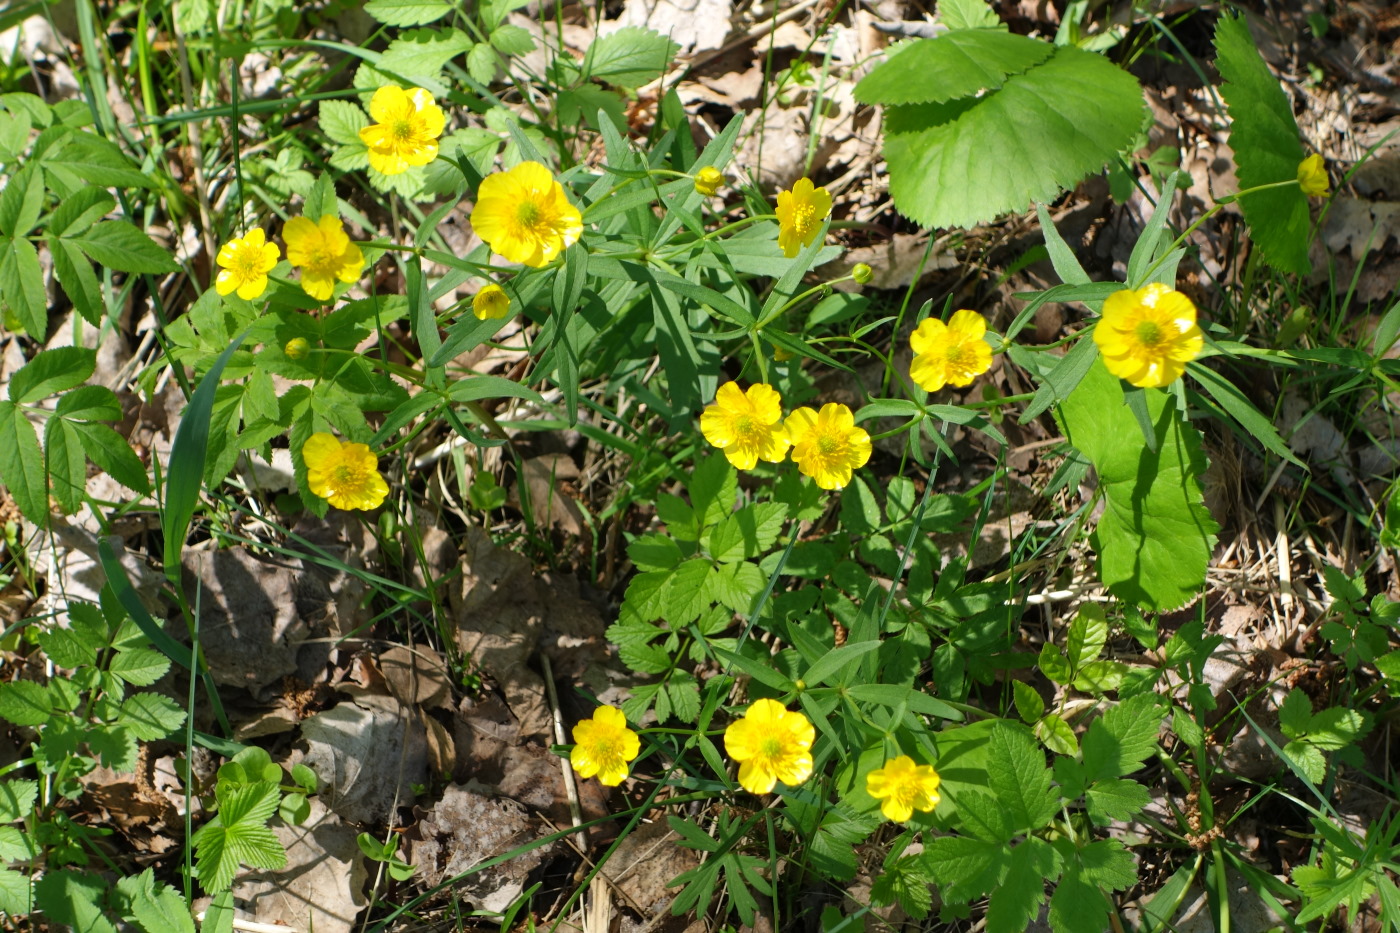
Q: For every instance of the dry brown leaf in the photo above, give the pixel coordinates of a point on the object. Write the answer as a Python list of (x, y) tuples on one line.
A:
[(368, 753), (321, 887)]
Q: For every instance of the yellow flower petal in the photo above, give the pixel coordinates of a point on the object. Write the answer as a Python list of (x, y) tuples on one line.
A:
[(771, 744), (244, 264), (343, 473), (903, 787), (406, 129), (603, 746), (949, 354), (747, 426), (525, 216), (1147, 336), (800, 215), (827, 445)]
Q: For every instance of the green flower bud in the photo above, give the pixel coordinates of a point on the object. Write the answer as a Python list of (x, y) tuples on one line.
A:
[(862, 273)]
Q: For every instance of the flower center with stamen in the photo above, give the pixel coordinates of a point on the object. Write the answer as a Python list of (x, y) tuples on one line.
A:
[(402, 130), (771, 748), (529, 214), (804, 218), (1148, 333), (346, 475), (959, 356), (828, 444)]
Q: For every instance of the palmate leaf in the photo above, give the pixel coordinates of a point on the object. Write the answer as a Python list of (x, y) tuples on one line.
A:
[(1264, 138), (1155, 535), (239, 834), (964, 161)]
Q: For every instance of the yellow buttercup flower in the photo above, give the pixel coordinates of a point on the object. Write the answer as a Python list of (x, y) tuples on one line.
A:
[(1148, 336), (603, 746), (950, 354), (747, 426), (244, 264), (323, 252), (345, 474), (1312, 176), (491, 301), (827, 445), (525, 216), (708, 180), (800, 215), (407, 125), (903, 787), (771, 744)]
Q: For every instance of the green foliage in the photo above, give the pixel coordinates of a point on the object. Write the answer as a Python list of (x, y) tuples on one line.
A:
[(960, 108), (1264, 139), (1311, 734), (1155, 535), (246, 797)]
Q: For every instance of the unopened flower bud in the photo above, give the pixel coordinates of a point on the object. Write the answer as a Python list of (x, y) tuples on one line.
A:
[(491, 302), (297, 348), (708, 180), (862, 273)]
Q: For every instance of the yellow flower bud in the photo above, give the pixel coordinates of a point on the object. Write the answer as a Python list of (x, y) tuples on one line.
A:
[(491, 302), (1312, 176), (708, 180), (862, 273), (297, 348)]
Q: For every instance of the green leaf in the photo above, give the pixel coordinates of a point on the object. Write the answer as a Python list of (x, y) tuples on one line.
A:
[(747, 533), (630, 57), (64, 461), (153, 906), (119, 245), (110, 451), (1264, 139), (482, 63), (838, 661), (963, 162), (78, 159), (51, 372), (239, 834), (151, 716), (25, 703), (736, 586), (512, 40), (1123, 738), (967, 14), (654, 552), (1088, 633), (114, 744), (420, 52), (75, 899), (1295, 714), (907, 881), (955, 65), (22, 285), (188, 453), (17, 799), (712, 487), (16, 897), (1056, 734), (408, 12), (76, 213), (1108, 864), (1029, 705), (1077, 905), (74, 272), (1336, 728), (1239, 407), (342, 122), (21, 201), (1017, 899), (1116, 799), (964, 867), (21, 464), (1155, 535), (74, 646), (1017, 775), (1053, 664)]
